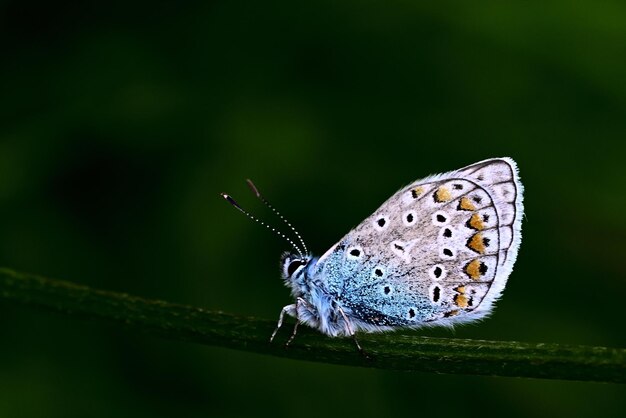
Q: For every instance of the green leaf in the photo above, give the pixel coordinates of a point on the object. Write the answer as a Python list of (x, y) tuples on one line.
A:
[(388, 351)]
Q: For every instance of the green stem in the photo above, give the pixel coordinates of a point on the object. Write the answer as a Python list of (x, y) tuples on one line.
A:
[(387, 351)]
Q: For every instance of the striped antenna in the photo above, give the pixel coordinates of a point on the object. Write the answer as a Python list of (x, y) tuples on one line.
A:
[(277, 232), (260, 196)]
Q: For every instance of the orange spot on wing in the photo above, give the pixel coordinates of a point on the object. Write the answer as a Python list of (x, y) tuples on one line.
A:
[(477, 243), (416, 192), (451, 313), (476, 222), (460, 289), (442, 194), (466, 204), (473, 269), (461, 301)]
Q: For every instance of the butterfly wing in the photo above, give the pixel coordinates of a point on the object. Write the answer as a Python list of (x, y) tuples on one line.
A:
[(438, 252)]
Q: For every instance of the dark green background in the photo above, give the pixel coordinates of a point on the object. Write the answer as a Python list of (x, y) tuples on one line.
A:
[(121, 122)]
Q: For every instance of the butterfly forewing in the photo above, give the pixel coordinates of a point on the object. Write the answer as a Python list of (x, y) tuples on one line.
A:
[(438, 251)]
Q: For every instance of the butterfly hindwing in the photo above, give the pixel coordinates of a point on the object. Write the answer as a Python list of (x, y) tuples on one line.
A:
[(438, 251)]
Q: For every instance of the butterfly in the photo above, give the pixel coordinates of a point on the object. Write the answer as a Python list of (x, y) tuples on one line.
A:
[(437, 252)]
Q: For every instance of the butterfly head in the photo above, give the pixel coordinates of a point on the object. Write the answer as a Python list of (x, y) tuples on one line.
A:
[(295, 269)]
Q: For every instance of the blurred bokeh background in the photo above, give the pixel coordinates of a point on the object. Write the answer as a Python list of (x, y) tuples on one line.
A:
[(120, 122)]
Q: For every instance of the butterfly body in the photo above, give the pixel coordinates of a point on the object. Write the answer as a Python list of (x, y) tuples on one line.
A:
[(437, 252)]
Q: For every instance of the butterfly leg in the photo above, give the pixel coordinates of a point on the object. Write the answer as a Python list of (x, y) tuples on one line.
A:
[(299, 301), (352, 333), (291, 310), (293, 334)]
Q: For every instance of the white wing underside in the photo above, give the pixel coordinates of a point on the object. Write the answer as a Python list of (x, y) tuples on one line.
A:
[(445, 246)]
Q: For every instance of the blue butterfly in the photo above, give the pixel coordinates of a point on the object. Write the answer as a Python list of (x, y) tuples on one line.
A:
[(437, 252)]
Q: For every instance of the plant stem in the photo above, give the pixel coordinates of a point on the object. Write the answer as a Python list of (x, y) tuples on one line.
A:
[(387, 351)]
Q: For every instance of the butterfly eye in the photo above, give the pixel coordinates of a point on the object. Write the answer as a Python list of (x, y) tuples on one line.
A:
[(293, 266)]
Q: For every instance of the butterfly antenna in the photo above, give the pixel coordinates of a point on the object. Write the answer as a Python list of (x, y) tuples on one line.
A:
[(254, 218), (266, 203)]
